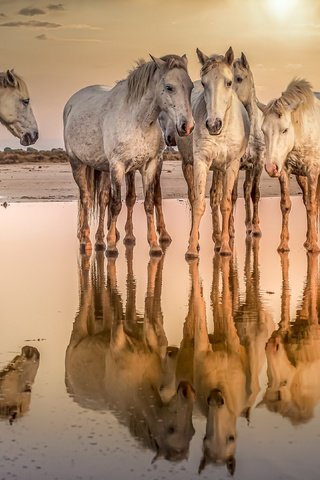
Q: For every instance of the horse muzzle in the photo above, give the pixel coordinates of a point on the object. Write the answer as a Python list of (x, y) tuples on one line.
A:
[(185, 129), (214, 128), (29, 138), (170, 140)]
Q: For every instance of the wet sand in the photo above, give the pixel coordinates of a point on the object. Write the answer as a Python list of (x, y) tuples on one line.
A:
[(37, 182)]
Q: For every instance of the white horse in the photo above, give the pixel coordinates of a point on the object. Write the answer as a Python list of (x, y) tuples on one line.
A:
[(293, 352), (253, 160), (219, 141), (118, 359), (15, 109), (16, 381), (222, 376), (291, 127), (116, 132)]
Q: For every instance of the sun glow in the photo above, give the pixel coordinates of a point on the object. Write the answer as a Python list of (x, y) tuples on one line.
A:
[(281, 8)]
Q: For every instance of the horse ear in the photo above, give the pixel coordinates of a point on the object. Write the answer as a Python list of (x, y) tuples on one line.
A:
[(202, 464), (231, 465), (185, 60), (261, 106), (158, 61), (244, 61), (11, 79), (229, 56), (202, 56)]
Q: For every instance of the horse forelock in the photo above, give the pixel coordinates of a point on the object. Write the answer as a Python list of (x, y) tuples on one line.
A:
[(140, 77), (212, 62), (299, 91)]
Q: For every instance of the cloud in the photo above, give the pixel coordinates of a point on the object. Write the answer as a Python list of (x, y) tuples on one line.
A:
[(31, 11), (42, 36), (55, 6), (81, 26), (31, 23)]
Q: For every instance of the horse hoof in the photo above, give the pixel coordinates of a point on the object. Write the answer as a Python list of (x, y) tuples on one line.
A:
[(129, 241), (155, 252), (112, 252), (165, 239), (191, 255), (85, 248), (283, 248), (225, 253), (100, 247)]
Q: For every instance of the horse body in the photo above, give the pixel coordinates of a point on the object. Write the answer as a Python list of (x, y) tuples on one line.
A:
[(118, 361), (253, 160), (15, 109), (127, 131), (291, 129), (219, 141)]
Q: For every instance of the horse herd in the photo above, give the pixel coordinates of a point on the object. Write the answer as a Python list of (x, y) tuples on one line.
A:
[(217, 124)]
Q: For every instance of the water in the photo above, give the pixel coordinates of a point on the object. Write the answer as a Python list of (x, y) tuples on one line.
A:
[(82, 420)]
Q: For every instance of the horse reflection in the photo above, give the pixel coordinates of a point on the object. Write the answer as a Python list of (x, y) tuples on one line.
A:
[(118, 359), (16, 380), (293, 352), (224, 378)]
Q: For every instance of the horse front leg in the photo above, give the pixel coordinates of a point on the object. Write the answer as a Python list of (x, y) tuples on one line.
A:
[(117, 173), (234, 198), (247, 188), (131, 197), (198, 207), (311, 243), (103, 200), (215, 199), (148, 180), (226, 210), (255, 197), (164, 236), (285, 204), (187, 170)]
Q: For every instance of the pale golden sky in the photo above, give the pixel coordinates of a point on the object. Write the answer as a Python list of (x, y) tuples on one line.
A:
[(60, 46)]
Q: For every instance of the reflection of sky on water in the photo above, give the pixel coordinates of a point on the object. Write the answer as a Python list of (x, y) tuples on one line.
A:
[(39, 300)]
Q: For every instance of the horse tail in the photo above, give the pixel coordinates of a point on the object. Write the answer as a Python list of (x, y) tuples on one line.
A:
[(93, 177)]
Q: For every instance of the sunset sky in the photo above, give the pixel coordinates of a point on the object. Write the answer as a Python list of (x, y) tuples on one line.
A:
[(61, 47)]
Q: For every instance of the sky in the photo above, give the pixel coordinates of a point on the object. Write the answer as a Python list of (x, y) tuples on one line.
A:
[(60, 46)]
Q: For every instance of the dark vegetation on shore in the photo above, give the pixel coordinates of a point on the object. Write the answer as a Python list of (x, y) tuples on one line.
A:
[(55, 155)]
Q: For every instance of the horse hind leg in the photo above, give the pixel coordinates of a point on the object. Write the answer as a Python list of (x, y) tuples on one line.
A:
[(103, 200), (255, 196), (131, 197), (114, 210), (80, 172)]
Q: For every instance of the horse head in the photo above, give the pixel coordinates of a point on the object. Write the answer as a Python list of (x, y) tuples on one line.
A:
[(173, 91), (216, 78), (16, 382), (15, 109)]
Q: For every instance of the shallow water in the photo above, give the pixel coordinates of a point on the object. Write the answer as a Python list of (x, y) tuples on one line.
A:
[(84, 420)]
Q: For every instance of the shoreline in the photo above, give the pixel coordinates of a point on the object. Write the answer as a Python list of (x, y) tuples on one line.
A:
[(41, 176)]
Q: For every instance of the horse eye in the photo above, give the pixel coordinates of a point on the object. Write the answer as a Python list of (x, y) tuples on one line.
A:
[(169, 88), (285, 130), (231, 438), (25, 101), (229, 83), (239, 80), (171, 430)]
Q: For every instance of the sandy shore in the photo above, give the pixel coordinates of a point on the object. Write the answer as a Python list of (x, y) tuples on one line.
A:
[(35, 182)]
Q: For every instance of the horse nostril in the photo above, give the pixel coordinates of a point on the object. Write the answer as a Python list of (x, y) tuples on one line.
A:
[(184, 127), (207, 124), (218, 124)]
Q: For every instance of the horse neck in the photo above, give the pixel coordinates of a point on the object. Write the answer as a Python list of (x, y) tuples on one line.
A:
[(146, 109)]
